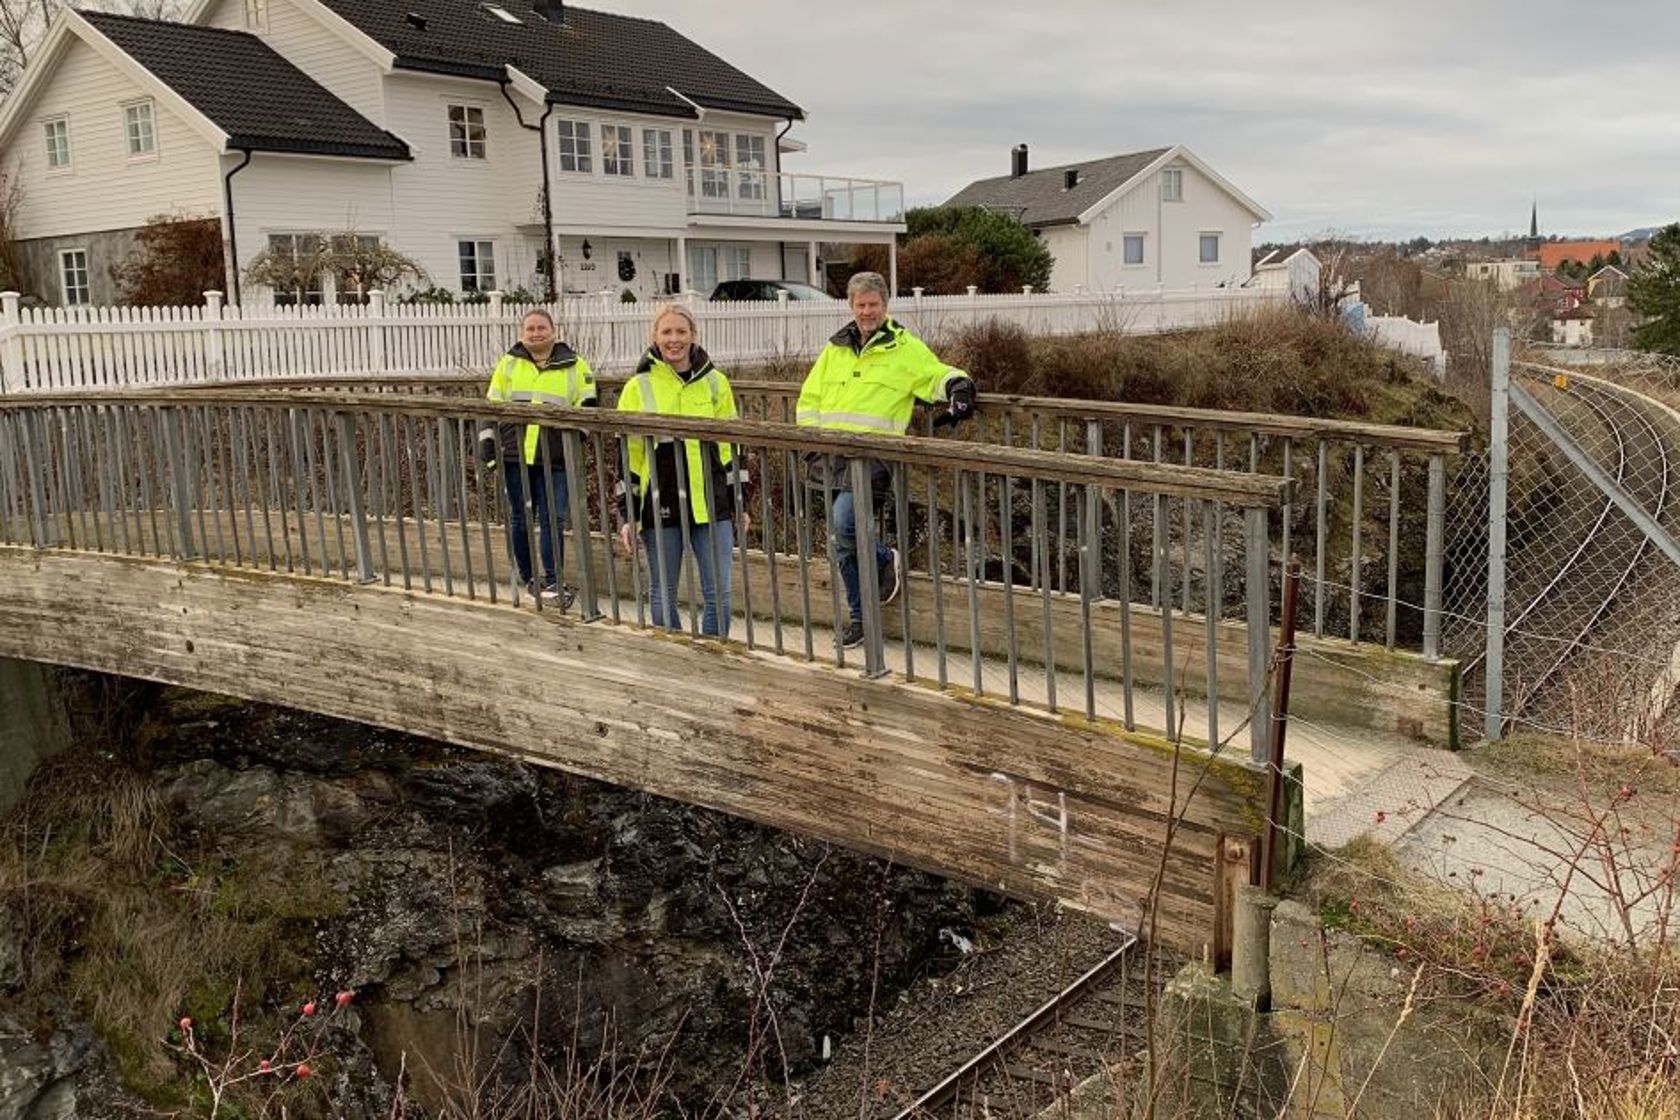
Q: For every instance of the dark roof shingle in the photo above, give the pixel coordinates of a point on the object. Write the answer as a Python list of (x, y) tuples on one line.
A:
[(1041, 198), (593, 58), (260, 100)]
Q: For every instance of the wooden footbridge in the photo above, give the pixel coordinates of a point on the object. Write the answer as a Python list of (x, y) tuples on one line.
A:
[(1071, 700)]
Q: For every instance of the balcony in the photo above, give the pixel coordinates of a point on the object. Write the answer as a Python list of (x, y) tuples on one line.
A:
[(746, 193)]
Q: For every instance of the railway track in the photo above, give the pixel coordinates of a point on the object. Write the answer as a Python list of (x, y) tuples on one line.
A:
[(1081, 1031), (1559, 618)]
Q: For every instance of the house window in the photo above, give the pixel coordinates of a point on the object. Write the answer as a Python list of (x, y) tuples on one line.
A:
[(142, 134), (301, 251), (73, 275), (1131, 247), (688, 158), (714, 164), (710, 265), (574, 146), (478, 266), (749, 158), (58, 143), (256, 15), (615, 150), (656, 153), (1210, 248), (1172, 185), (466, 132)]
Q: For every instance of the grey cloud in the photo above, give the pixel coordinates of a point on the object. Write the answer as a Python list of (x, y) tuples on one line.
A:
[(1439, 116)]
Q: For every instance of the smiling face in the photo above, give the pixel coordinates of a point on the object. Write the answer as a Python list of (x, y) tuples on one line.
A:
[(536, 332), (869, 311), (673, 336)]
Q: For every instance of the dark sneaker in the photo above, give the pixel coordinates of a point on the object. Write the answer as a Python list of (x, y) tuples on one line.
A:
[(852, 636), (892, 577)]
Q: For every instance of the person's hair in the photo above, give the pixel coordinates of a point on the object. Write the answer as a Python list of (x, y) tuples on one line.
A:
[(867, 282), (678, 310)]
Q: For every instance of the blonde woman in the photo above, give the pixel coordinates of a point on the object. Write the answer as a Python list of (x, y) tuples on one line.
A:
[(676, 378)]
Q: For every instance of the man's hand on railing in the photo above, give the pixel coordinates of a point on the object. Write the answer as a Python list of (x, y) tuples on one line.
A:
[(489, 454), (961, 405)]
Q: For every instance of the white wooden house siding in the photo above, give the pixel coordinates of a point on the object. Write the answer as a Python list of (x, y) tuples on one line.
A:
[(104, 188), (1172, 234), (441, 199), (279, 194), (318, 51)]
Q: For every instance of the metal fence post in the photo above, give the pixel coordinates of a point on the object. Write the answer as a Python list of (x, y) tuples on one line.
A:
[(1499, 472), (11, 344), (350, 464), (1433, 556), (1258, 547)]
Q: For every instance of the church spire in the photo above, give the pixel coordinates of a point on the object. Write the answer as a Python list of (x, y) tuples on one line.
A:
[(1534, 221)]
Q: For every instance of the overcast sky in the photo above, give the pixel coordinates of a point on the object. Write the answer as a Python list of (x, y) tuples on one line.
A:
[(1436, 117)]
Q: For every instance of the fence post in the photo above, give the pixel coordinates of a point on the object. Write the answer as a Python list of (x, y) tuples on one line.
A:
[(214, 366), (376, 330), (11, 344), (1258, 591), (1432, 556), (1498, 474)]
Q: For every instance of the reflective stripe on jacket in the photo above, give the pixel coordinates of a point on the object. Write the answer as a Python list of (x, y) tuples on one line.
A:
[(563, 381), (869, 386), (703, 392), (872, 386)]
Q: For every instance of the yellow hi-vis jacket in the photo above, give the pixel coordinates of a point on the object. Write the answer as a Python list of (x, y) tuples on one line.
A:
[(564, 380), (873, 386), (704, 392)]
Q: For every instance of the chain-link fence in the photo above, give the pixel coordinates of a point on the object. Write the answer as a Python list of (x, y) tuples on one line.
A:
[(1591, 598)]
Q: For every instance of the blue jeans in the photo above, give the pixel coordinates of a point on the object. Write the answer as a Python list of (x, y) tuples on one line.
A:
[(518, 477), (712, 546), (842, 535)]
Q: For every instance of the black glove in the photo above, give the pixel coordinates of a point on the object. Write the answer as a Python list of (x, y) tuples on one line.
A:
[(962, 401), (489, 454)]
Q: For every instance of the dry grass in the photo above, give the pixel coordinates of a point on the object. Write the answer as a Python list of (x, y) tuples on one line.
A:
[(1595, 1026), (134, 931)]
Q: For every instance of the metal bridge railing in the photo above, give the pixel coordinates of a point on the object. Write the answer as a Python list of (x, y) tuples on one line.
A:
[(385, 489), (1367, 514)]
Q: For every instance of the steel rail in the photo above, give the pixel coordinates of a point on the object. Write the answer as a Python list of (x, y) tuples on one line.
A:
[(943, 1092)]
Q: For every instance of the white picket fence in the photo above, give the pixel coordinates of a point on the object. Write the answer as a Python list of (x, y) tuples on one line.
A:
[(90, 347)]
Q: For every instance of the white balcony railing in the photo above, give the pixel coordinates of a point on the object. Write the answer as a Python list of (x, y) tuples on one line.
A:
[(762, 194)]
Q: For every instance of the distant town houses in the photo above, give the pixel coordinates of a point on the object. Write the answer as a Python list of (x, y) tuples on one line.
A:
[(1161, 218), (515, 145)]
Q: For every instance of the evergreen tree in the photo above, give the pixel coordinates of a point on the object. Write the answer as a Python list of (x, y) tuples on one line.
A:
[(1006, 253), (1654, 293)]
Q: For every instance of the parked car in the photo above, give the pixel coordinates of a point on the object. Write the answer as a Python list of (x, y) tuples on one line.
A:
[(769, 289)]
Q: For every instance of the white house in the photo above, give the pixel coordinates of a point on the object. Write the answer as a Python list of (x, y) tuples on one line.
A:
[(1146, 219), (468, 136), (1290, 268), (1573, 327)]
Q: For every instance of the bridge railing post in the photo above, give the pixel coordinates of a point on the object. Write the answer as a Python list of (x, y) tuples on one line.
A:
[(1258, 548), (181, 488), (863, 527), (577, 508), (1433, 553), (351, 465)]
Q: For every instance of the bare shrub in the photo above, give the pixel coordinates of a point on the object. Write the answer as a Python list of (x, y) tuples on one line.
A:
[(174, 262)]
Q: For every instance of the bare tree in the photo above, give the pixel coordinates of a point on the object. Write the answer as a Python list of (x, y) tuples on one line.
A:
[(24, 22)]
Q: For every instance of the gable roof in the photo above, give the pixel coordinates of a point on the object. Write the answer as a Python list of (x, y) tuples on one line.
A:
[(256, 98), (595, 59), (1041, 198), (1280, 256)]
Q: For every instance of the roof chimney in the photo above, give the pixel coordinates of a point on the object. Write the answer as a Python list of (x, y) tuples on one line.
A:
[(1070, 178), (554, 11), (1018, 161)]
